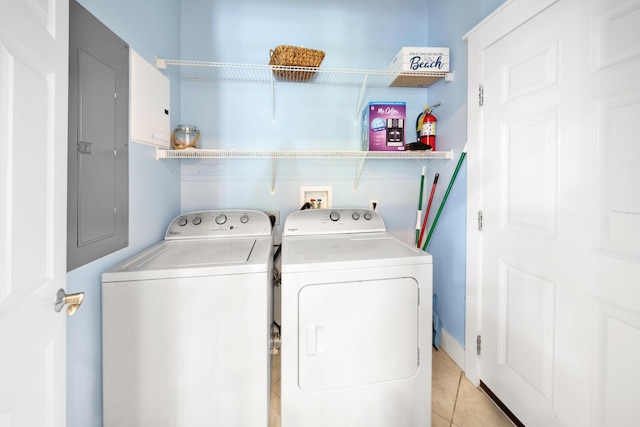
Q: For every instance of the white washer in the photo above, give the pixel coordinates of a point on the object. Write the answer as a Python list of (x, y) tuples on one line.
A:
[(356, 323), (186, 326)]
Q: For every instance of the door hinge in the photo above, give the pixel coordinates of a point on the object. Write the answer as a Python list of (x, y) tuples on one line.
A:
[(479, 220), (85, 148), (479, 344), (480, 95), (418, 296), (418, 356)]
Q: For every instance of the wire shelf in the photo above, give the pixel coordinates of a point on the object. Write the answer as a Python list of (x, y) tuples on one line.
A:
[(201, 71), (238, 154)]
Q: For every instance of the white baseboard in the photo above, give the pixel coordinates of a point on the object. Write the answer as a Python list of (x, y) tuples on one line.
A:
[(453, 348)]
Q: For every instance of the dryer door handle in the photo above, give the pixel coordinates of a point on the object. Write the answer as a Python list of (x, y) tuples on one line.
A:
[(312, 340)]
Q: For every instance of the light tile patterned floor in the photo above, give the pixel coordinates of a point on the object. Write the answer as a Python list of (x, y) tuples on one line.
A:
[(274, 414), (455, 402)]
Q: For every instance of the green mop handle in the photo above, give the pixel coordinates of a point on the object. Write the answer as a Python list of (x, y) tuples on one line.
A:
[(419, 214), (444, 199)]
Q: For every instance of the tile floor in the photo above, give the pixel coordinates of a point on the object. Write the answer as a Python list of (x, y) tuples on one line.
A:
[(455, 402)]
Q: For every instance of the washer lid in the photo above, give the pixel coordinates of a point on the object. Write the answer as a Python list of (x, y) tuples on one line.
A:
[(187, 258), (343, 251)]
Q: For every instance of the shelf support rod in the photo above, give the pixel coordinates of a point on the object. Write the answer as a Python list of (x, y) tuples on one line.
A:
[(274, 163), (359, 106), (273, 100), (358, 173)]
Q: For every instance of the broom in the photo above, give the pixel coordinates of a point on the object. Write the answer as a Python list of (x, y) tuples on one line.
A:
[(419, 213), (426, 215), (446, 195)]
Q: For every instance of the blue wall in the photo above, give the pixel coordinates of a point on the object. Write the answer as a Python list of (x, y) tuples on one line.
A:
[(447, 22), (353, 34), (150, 27), (236, 116), (233, 115)]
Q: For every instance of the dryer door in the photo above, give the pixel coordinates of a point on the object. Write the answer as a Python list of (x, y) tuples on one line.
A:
[(357, 333)]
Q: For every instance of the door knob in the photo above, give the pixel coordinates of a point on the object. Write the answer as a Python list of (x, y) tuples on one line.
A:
[(73, 301)]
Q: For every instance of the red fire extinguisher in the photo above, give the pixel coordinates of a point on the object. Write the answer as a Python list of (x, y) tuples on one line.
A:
[(426, 126)]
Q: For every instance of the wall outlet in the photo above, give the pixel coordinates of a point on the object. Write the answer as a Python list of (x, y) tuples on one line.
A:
[(276, 214), (319, 192), (373, 205)]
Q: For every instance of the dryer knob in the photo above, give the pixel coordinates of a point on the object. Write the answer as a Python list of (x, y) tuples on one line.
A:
[(368, 216), (196, 221), (334, 216), (244, 219), (182, 222), (355, 216), (221, 219)]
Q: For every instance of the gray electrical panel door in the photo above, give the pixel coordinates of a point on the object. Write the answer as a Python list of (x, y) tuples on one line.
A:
[(98, 195)]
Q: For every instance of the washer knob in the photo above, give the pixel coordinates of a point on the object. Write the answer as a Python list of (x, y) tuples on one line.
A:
[(221, 219), (244, 219), (182, 222), (196, 221), (334, 216), (368, 216), (355, 216)]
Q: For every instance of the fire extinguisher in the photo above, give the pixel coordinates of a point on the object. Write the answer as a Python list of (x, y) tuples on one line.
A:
[(426, 127)]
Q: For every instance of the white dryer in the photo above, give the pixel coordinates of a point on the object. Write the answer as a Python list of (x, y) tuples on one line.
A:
[(356, 323), (186, 326)]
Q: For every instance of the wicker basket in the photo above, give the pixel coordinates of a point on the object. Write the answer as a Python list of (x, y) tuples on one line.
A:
[(292, 56)]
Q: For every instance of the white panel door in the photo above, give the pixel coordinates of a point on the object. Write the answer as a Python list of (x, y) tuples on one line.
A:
[(560, 244), (33, 129)]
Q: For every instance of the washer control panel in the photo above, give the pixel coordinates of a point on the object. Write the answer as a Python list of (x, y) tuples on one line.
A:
[(218, 223), (332, 221)]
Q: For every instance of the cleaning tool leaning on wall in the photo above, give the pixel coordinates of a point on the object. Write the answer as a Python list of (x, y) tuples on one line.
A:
[(446, 195)]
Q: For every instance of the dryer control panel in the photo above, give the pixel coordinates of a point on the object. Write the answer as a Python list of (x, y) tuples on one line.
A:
[(219, 223), (332, 221)]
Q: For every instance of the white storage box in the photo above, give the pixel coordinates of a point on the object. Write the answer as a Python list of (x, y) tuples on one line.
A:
[(434, 59)]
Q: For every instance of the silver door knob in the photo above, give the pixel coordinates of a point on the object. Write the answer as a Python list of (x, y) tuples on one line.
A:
[(73, 301)]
